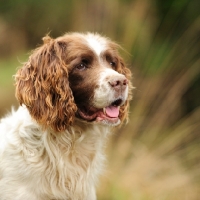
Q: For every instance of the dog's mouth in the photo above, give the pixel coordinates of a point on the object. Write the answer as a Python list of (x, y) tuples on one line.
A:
[(108, 114)]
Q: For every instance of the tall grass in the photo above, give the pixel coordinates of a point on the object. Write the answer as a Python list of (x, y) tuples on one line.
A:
[(8, 67), (156, 155)]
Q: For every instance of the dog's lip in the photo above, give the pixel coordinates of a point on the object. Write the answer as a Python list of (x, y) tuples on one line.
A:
[(88, 113), (109, 113)]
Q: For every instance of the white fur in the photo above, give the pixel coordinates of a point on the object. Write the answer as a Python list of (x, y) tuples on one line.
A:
[(105, 94), (41, 165), (96, 42)]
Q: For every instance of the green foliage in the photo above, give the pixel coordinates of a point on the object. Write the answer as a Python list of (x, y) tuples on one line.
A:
[(156, 156), (8, 68)]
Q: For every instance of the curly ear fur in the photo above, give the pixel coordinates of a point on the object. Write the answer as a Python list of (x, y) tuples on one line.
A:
[(123, 114), (42, 85)]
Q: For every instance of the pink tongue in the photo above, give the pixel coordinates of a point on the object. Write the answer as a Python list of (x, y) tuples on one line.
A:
[(112, 111)]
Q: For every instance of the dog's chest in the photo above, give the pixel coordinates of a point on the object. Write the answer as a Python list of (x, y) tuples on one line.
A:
[(73, 165)]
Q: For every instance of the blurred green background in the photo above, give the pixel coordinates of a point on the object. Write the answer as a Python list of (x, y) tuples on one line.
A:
[(156, 156)]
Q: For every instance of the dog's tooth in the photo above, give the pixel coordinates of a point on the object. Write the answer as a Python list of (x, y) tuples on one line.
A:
[(104, 110)]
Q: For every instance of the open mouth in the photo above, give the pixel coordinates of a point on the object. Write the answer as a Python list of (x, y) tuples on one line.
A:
[(109, 114)]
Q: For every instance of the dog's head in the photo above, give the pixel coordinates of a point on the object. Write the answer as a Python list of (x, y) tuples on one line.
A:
[(75, 76)]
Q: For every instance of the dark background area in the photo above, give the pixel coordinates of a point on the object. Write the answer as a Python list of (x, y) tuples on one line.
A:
[(156, 155)]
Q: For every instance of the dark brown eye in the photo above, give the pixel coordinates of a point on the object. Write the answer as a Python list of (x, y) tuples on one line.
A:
[(113, 65), (81, 66), (111, 60)]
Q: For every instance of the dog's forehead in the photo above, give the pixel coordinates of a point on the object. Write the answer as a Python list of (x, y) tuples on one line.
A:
[(97, 43)]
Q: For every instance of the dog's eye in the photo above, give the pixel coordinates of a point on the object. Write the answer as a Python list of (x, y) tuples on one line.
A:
[(113, 65), (81, 66)]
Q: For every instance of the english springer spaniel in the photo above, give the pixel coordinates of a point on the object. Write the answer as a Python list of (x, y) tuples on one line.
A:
[(72, 91)]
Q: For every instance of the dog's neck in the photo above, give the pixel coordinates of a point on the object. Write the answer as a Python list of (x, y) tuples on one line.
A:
[(81, 138)]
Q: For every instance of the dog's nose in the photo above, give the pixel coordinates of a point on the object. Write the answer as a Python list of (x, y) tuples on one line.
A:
[(118, 83)]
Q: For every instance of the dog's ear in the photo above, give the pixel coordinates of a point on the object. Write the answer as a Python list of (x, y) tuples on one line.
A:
[(122, 69), (42, 85)]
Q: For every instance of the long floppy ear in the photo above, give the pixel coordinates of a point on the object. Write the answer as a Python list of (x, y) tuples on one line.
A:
[(124, 110), (42, 85)]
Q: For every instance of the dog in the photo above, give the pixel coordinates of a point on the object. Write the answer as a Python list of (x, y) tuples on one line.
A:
[(72, 91)]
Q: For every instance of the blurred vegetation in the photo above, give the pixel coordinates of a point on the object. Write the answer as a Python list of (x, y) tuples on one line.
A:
[(156, 155)]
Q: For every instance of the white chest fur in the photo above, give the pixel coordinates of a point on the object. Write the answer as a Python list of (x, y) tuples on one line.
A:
[(46, 165)]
